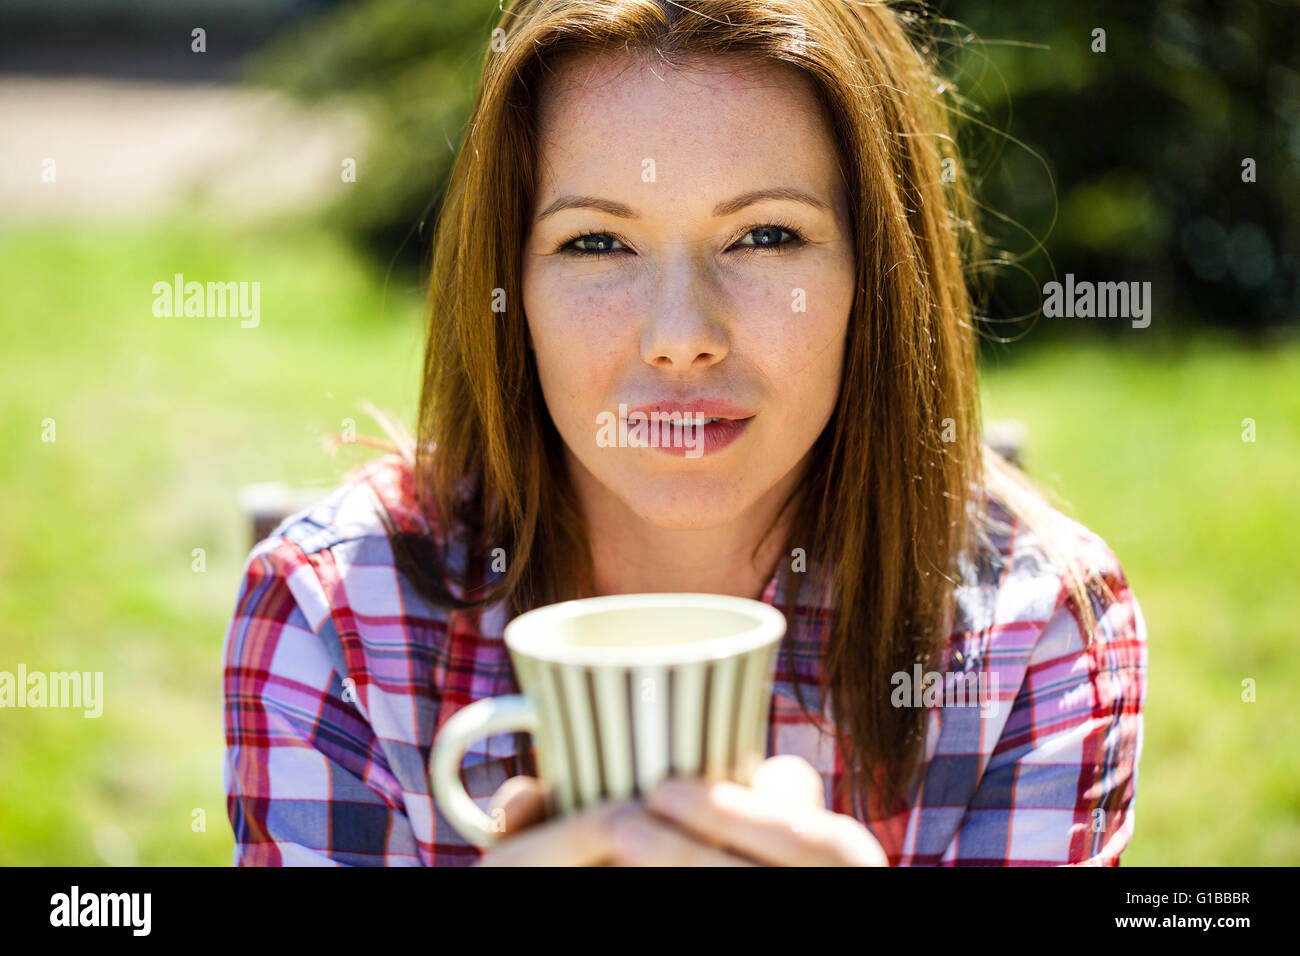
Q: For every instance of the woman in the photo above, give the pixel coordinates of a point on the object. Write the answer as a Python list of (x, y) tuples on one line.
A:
[(738, 209)]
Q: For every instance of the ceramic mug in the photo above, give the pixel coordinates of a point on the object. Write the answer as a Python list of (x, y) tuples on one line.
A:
[(618, 693)]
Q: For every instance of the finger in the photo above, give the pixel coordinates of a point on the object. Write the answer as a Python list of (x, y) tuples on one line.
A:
[(518, 803), (580, 839), (641, 840), (747, 822), (788, 778)]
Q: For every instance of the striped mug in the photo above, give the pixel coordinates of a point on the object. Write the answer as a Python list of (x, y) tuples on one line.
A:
[(618, 693)]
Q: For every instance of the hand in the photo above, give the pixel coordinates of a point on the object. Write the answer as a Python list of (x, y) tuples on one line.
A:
[(585, 838), (779, 820), (590, 837)]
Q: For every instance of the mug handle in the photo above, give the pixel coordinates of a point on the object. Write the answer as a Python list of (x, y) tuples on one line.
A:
[(483, 718)]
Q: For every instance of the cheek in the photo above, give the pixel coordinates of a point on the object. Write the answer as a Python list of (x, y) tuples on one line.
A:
[(793, 328), (581, 334)]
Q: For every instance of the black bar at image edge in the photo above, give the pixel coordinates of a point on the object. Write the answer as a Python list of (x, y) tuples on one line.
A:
[(308, 905)]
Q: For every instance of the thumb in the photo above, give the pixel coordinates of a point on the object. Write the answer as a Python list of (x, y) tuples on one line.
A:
[(791, 780)]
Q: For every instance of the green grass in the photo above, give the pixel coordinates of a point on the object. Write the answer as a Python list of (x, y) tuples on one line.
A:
[(160, 420), (1145, 448)]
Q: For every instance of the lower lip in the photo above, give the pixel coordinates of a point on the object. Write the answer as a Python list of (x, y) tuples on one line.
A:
[(710, 439)]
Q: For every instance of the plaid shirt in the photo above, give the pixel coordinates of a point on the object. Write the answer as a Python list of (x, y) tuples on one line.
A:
[(338, 675)]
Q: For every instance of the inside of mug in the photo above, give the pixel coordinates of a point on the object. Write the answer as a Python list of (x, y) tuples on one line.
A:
[(644, 629), (640, 632), (649, 627)]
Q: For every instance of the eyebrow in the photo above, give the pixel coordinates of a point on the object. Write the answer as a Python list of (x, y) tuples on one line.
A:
[(726, 208)]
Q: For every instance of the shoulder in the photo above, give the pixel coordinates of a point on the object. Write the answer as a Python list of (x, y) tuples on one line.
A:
[(352, 511), (1020, 579), (1058, 733), (334, 557)]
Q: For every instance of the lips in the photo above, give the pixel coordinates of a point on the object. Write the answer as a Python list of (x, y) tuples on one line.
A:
[(710, 439), (710, 408), (722, 423)]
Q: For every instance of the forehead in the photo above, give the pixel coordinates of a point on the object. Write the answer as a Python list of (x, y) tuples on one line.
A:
[(720, 119)]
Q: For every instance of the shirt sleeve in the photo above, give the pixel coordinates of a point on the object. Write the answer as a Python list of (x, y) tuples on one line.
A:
[(306, 781), (1060, 784)]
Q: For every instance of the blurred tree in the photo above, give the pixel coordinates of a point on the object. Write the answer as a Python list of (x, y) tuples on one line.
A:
[(1127, 163), (1147, 144), (413, 65)]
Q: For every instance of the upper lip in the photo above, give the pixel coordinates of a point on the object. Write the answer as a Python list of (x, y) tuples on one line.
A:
[(708, 407)]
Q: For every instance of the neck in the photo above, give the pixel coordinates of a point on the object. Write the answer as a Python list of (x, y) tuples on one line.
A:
[(631, 555)]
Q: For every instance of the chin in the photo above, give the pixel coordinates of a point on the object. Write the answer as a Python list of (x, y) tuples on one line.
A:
[(685, 502)]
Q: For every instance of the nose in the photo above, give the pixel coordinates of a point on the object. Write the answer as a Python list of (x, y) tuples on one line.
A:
[(684, 329)]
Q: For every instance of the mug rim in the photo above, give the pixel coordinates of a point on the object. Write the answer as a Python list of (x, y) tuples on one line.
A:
[(768, 628)]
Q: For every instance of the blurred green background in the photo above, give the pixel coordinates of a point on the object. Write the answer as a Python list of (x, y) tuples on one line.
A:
[(160, 421)]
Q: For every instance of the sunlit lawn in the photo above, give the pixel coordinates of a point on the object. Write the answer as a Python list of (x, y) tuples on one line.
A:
[(158, 421), (1150, 453)]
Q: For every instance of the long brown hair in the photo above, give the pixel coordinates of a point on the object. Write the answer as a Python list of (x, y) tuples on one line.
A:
[(896, 486)]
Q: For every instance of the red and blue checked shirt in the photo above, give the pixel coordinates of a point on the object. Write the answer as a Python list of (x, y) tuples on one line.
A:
[(338, 675)]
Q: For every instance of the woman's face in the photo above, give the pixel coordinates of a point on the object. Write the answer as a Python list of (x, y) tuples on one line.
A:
[(699, 291)]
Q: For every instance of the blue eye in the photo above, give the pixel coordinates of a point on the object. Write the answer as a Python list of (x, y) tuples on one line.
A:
[(771, 232), (603, 240)]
